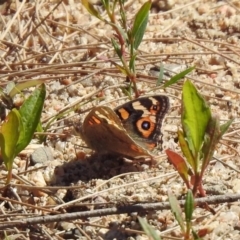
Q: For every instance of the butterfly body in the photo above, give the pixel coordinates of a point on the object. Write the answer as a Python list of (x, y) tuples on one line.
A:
[(131, 130)]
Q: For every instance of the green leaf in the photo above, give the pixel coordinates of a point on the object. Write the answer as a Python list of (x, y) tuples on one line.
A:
[(140, 24), (90, 8), (42, 138), (121, 69), (214, 133), (212, 137), (20, 86), (195, 117), (178, 77), (176, 210), (186, 151), (132, 62), (117, 48), (127, 91), (105, 3), (151, 233), (30, 114), (122, 13), (189, 206), (9, 135), (119, 29), (39, 127)]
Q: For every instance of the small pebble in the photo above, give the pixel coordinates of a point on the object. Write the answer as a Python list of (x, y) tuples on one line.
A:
[(41, 155)]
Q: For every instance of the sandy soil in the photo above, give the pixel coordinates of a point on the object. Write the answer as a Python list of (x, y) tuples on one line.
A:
[(62, 45)]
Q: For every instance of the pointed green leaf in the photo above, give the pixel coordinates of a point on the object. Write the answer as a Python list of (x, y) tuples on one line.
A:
[(186, 151), (30, 114), (9, 135), (195, 117), (117, 48), (42, 138), (90, 8), (127, 91), (210, 141), (20, 86), (39, 127), (132, 62), (105, 3), (123, 13), (214, 133), (120, 68), (189, 206), (176, 210), (178, 77), (119, 29), (151, 233), (140, 24)]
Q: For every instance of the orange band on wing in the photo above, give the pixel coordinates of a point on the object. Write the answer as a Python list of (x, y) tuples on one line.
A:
[(123, 113), (94, 120)]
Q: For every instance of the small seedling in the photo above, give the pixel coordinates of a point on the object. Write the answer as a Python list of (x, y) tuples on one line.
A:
[(126, 38), (151, 233), (185, 225), (198, 138), (18, 129), (8, 93)]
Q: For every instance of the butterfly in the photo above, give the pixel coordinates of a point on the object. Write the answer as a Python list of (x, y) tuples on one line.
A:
[(131, 130)]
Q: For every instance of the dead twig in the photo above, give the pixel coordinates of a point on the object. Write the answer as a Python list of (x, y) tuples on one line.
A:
[(115, 210)]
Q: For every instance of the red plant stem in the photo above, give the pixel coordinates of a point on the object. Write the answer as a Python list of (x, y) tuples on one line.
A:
[(198, 186)]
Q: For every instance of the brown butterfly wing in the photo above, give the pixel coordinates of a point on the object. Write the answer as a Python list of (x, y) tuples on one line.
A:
[(103, 131)]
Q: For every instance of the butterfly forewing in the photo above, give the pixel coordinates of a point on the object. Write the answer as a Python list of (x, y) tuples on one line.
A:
[(103, 131)]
